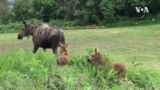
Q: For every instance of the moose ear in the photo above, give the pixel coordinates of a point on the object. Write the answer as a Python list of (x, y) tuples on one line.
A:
[(96, 50), (32, 22), (25, 24)]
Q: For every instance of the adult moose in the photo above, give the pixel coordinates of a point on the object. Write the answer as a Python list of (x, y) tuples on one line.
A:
[(43, 36)]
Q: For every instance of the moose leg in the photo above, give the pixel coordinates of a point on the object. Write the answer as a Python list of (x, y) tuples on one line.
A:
[(44, 49), (54, 50), (35, 48)]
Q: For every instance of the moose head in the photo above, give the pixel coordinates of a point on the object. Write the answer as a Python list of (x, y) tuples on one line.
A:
[(26, 30)]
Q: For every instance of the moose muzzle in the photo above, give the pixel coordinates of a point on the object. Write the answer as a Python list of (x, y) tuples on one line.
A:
[(19, 36)]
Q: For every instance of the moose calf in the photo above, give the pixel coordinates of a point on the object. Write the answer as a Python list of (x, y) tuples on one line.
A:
[(100, 60), (63, 59)]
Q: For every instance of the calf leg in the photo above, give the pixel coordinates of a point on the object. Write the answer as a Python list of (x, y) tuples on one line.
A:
[(35, 48), (54, 50)]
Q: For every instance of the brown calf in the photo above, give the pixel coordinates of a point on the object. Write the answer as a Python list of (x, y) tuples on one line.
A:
[(121, 69), (63, 59), (100, 60)]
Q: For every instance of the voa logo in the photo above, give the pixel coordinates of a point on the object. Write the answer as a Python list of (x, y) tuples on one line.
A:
[(142, 9), (141, 12)]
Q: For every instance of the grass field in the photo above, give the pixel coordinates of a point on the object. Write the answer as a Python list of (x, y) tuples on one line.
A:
[(140, 43)]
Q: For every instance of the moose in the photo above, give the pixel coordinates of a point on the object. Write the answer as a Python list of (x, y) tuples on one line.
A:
[(43, 36), (63, 59), (100, 60)]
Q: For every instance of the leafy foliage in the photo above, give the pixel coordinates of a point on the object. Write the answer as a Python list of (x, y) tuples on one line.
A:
[(24, 8), (24, 70), (80, 12)]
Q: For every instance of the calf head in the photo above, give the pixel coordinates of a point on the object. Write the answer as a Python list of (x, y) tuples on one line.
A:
[(63, 48), (97, 57), (94, 57)]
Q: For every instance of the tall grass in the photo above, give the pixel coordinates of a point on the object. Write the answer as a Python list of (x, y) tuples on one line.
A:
[(22, 70)]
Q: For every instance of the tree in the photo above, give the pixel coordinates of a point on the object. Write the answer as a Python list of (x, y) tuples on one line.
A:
[(3, 6), (80, 12), (24, 8), (107, 10), (45, 9), (4, 12)]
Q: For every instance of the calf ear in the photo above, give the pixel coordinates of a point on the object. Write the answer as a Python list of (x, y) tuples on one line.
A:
[(60, 44), (66, 45), (96, 50)]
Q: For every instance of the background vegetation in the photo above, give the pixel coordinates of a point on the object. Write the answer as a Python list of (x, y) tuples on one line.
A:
[(78, 12)]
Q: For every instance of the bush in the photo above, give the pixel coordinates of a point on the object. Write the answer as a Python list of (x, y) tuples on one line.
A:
[(12, 27), (61, 23), (16, 27)]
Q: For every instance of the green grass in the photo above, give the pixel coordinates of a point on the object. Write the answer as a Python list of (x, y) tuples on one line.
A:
[(27, 71), (141, 42), (24, 70)]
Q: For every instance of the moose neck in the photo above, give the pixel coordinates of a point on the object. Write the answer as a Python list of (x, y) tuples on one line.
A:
[(32, 30)]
